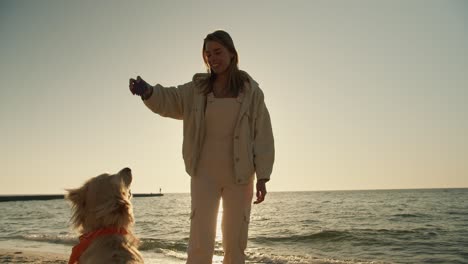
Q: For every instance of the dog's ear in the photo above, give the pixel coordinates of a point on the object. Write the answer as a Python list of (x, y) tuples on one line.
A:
[(77, 196), (78, 199)]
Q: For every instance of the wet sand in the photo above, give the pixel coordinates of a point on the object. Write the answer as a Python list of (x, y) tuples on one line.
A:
[(28, 256)]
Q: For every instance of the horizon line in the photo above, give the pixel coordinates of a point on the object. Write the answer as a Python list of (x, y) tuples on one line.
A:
[(325, 190)]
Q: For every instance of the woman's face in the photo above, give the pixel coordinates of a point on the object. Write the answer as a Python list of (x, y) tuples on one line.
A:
[(217, 56)]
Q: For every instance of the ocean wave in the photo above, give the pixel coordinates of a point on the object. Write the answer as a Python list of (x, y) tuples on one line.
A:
[(357, 236), (157, 245), (397, 232), (295, 259), (66, 239), (408, 215), (160, 245), (462, 213), (324, 235)]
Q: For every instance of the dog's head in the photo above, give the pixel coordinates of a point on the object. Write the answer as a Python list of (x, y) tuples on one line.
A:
[(103, 201)]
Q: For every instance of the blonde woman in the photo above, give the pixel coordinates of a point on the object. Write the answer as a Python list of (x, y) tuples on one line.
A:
[(228, 139)]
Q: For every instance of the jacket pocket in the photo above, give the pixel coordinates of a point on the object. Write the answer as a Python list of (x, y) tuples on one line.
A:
[(250, 147)]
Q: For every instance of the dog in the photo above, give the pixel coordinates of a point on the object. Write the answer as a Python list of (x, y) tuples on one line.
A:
[(103, 215)]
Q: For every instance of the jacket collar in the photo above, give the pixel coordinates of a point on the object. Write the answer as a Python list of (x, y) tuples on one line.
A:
[(210, 97)]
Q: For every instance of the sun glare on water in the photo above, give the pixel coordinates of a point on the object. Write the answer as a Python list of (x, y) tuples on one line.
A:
[(219, 235)]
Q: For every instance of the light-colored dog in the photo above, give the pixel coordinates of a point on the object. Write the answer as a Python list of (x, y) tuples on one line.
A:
[(103, 214)]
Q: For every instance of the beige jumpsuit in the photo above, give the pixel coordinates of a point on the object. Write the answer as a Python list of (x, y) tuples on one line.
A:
[(214, 180)]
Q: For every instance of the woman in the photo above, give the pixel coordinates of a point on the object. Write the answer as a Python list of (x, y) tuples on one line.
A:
[(227, 140)]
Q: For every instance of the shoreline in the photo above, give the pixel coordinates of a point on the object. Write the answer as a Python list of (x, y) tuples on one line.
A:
[(9, 255)]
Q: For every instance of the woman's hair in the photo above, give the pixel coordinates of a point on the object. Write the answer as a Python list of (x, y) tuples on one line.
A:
[(236, 78)]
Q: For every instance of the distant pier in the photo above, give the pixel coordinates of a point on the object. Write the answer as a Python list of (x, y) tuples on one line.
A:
[(43, 197)]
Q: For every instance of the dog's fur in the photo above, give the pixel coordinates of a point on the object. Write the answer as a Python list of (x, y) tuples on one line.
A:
[(103, 202)]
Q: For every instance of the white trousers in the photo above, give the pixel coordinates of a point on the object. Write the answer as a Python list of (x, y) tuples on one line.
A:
[(206, 192)]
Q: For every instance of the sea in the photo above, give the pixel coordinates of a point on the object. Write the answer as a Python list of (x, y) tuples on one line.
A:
[(371, 226)]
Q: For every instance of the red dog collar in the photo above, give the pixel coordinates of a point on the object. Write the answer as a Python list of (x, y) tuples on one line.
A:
[(86, 239)]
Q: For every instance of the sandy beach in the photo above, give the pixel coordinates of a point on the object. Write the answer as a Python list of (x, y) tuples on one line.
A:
[(27, 256), (31, 256)]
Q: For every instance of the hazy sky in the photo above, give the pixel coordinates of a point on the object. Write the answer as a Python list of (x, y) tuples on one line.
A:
[(362, 94)]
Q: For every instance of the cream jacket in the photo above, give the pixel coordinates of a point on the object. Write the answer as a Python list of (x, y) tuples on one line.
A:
[(254, 150)]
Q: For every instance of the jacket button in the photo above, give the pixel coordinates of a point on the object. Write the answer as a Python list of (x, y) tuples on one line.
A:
[(238, 180), (237, 159), (236, 137)]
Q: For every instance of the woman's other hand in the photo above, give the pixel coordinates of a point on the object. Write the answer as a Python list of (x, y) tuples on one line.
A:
[(138, 86), (261, 191)]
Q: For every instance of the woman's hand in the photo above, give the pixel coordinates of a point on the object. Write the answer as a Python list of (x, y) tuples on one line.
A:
[(138, 86), (261, 191)]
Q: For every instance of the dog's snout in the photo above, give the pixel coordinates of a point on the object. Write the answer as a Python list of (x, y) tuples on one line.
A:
[(126, 170)]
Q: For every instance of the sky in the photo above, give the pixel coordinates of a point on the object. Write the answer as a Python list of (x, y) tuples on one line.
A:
[(362, 94)]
